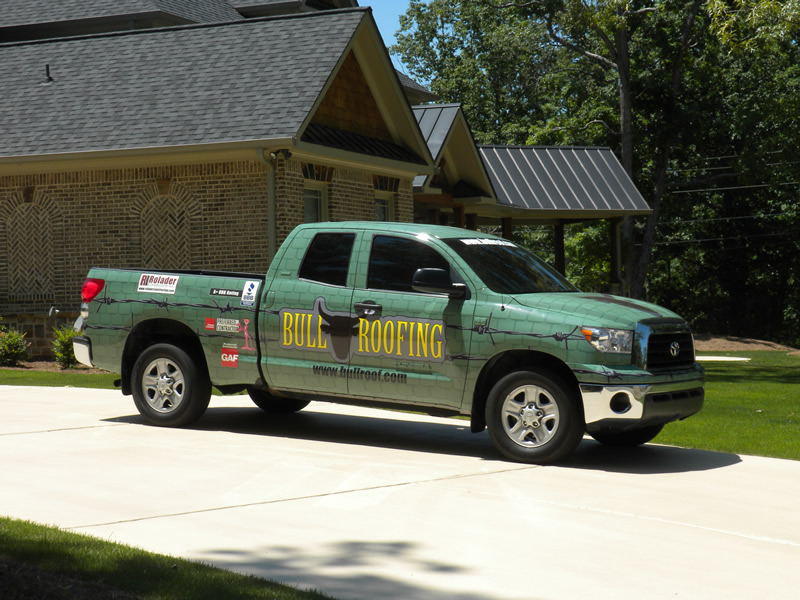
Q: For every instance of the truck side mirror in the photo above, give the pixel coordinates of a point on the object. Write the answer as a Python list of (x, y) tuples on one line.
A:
[(437, 281)]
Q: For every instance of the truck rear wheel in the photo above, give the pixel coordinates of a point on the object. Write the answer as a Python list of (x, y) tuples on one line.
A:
[(273, 404), (627, 439), (533, 417), (169, 389)]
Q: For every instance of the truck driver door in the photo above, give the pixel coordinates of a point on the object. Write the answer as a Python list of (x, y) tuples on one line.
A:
[(410, 346)]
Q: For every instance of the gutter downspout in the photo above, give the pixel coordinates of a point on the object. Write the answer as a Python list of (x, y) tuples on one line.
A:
[(272, 226)]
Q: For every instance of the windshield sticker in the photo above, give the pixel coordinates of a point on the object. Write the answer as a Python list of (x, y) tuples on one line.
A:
[(344, 334), (159, 284), (486, 242)]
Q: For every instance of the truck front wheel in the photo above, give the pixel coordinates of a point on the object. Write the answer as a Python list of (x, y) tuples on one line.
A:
[(169, 389), (533, 417)]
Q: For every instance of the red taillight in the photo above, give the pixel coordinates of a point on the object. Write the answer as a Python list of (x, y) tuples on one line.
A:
[(90, 288)]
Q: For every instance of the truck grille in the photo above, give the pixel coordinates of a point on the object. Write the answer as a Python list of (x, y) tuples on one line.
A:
[(663, 345)]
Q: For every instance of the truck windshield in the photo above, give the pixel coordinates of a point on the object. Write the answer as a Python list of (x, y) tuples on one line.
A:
[(506, 268)]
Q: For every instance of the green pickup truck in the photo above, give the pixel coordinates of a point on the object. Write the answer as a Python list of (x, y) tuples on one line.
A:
[(433, 319)]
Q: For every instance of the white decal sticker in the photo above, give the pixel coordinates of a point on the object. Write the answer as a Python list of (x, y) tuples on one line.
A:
[(485, 242), (157, 284), (249, 293), (228, 325)]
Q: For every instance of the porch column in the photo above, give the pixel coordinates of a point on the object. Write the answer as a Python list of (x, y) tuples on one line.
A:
[(558, 241), (616, 282), (506, 227)]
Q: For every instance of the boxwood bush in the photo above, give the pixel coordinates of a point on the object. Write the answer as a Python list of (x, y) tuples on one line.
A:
[(13, 347)]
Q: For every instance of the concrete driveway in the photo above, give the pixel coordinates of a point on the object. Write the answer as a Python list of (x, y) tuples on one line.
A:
[(367, 504)]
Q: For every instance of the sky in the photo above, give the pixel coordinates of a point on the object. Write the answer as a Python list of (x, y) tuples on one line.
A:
[(386, 13)]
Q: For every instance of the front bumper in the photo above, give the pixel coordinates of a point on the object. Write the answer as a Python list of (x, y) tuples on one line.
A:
[(82, 348), (625, 407)]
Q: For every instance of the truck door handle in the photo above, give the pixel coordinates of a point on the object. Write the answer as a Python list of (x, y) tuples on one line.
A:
[(369, 308)]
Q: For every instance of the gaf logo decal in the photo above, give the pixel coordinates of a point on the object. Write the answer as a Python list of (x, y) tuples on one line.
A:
[(157, 283), (230, 357)]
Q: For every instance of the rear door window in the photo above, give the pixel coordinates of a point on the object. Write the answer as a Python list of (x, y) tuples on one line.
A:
[(328, 258)]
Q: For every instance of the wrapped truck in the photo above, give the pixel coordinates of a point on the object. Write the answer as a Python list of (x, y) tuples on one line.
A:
[(433, 319)]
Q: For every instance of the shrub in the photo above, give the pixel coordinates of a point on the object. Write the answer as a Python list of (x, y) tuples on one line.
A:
[(62, 346), (13, 347)]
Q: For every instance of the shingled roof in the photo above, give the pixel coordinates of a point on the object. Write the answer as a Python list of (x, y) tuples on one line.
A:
[(16, 13), (195, 85)]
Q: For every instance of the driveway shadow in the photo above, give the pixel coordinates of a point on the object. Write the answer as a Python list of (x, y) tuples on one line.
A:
[(443, 438), (650, 459), (373, 431)]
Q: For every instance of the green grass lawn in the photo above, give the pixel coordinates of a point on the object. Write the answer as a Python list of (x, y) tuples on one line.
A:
[(117, 567), (65, 378), (750, 408)]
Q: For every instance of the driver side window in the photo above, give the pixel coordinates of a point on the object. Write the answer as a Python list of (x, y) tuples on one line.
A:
[(394, 260)]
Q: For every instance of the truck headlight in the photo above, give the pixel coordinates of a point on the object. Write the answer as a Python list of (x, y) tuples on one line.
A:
[(615, 341)]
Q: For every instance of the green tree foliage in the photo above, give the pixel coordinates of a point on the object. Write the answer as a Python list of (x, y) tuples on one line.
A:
[(468, 52), (699, 99), (745, 25)]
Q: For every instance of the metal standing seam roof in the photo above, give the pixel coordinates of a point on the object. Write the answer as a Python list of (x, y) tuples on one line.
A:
[(32, 12), (245, 80), (436, 122), (580, 180)]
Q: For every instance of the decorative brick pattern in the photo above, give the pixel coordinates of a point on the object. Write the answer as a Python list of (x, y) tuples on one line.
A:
[(208, 216)]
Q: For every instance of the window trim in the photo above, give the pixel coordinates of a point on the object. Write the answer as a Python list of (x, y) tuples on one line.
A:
[(389, 199), (322, 206)]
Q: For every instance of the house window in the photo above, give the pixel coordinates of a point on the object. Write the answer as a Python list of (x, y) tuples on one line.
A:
[(315, 203), (384, 206)]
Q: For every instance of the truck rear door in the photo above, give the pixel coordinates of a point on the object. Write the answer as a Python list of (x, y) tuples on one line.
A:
[(308, 323)]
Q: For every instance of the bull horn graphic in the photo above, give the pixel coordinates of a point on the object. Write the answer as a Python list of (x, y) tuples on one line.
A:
[(340, 327)]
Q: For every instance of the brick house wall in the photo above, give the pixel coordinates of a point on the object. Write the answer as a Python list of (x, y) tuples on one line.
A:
[(55, 226)]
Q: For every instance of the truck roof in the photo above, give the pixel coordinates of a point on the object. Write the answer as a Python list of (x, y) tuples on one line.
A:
[(436, 231)]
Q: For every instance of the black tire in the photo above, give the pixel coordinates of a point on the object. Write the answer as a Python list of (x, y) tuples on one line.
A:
[(627, 439), (169, 388), (275, 405), (533, 417)]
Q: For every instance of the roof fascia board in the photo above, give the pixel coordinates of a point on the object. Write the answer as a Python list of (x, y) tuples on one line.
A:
[(140, 157), (372, 56), (472, 149), (355, 160), (557, 216), (367, 46)]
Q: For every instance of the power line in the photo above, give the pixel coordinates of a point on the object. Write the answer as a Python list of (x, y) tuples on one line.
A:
[(734, 187), (725, 238), (714, 219)]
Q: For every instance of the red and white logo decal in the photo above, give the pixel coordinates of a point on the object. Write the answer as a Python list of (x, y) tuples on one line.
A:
[(230, 357), (210, 323)]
